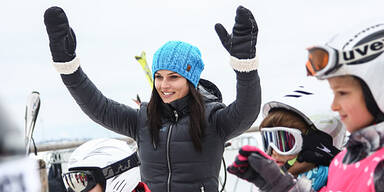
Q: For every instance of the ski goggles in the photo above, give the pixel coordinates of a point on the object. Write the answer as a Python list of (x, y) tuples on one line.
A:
[(283, 140), (82, 179), (322, 60)]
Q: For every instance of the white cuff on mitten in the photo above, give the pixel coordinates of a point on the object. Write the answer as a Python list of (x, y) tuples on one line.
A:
[(67, 68), (244, 65)]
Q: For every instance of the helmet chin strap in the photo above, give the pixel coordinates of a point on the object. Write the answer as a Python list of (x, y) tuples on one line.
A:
[(288, 164), (370, 102)]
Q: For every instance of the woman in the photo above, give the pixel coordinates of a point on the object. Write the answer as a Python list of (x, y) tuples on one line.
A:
[(182, 130)]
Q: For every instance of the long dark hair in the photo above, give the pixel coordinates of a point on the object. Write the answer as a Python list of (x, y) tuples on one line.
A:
[(196, 116)]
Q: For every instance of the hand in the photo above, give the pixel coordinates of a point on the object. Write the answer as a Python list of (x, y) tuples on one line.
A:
[(241, 167), (317, 148), (255, 166), (242, 42), (62, 40)]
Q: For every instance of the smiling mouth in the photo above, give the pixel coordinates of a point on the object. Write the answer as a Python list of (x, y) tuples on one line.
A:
[(168, 93)]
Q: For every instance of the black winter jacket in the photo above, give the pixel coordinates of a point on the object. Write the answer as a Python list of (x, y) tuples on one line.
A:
[(174, 165)]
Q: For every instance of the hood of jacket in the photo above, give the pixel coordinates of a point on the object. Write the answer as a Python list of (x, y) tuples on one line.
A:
[(209, 91), (364, 142)]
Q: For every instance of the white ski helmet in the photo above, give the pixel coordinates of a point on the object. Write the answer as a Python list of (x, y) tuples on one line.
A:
[(358, 52), (312, 101), (102, 153)]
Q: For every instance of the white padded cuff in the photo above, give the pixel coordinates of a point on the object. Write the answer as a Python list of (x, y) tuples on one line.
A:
[(244, 65), (67, 68)]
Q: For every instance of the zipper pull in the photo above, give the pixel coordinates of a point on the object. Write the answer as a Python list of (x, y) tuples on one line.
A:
[(176, 115), (154, 144), (202, 188)]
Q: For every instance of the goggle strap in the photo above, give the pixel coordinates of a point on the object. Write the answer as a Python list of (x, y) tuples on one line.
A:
[(362, 51), (288, 164), (292, 161), (121, 166)]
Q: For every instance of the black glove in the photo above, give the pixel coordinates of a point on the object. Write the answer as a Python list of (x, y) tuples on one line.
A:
[(55, 181), (317, 148), (242, 42), (62, 40), (255, 166)]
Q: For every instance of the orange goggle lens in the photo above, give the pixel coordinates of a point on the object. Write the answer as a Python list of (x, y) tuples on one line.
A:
[(317, 60)]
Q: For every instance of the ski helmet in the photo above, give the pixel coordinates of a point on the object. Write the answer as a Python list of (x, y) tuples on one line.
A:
[(102, 153), (356, 52), (312, 102)]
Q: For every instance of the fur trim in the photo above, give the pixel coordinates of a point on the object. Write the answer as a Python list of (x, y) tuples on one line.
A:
[(244, 65), (67, 68)]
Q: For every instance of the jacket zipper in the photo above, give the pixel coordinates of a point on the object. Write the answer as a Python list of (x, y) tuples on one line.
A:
[(168, 149)]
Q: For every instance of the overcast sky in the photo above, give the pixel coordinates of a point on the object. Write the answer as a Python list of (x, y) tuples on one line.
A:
[(110, 33)]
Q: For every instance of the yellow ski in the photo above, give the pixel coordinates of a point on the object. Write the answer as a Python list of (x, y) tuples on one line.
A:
[(143, 62)]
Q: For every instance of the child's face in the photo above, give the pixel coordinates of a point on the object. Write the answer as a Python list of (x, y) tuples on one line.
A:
[(349, 102), (281, 159)]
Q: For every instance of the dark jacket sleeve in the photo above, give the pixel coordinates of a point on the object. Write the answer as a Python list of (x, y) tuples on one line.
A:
[(112, 115), (239, 116)]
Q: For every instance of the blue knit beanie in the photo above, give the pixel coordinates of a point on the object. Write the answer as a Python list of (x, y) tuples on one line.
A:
[(180, 57)]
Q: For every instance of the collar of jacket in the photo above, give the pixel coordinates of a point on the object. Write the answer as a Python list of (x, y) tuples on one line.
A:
[(180, 106), (364, 142), (207, 89)]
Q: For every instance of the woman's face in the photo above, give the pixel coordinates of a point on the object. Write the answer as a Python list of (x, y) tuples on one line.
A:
[(170, 85), (349, 102)]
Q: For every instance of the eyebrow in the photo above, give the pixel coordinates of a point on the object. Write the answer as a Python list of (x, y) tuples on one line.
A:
[(172, 73)]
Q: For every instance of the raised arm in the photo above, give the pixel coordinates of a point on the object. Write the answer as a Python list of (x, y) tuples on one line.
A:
[(106, 112), (241, 45)]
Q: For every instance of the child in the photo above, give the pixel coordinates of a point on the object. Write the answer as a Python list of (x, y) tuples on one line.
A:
[(294, 134), (107, 165), (356, 80), (353, 64), (291, 135)]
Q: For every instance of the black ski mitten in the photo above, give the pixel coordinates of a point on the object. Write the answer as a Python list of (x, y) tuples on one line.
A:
[(317, 148), (55, 181), (62, 40), (255, 166), (242, 42)]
